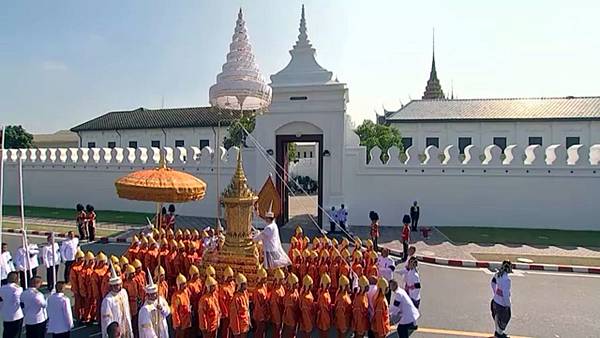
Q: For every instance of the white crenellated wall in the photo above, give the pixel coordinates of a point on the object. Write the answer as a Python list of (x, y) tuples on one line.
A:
[(523, 187), (64, 177)]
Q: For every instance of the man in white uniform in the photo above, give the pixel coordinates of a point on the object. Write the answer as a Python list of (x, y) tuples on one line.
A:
[(386, 267), (68, 250), (60, 316), (27, 261), (402, 310), (115, 307), (51, 260), (152, 318), (6, 264), (274, 255), (10, 307), (501, 304), (34, 307)]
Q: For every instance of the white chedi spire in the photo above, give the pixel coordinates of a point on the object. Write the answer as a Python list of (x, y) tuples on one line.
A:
[(303, 67), (240, 84)]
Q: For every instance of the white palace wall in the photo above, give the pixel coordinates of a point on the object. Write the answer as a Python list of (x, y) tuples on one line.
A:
[(524, 187)]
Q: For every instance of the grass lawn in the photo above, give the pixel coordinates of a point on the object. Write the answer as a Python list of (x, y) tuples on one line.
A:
[(522, 236), (58, 229), (109, 216)]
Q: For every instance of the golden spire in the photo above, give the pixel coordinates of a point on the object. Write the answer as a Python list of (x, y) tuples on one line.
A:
[(239, 183)]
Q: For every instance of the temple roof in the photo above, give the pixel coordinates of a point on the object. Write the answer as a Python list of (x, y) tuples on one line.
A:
[(433, 89), (552, 108)]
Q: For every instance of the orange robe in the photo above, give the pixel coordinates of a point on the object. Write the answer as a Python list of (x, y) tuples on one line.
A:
[(313, 271), (104, 286), (324, 307), (260, 301), (170, 268), (85, 288), (239, 313), (303, 270), (181, 310), (372, 271), (134, 293), (191, 259), (133, 252), (163, 289), (357, 268), (344, 269), (360, 313), (179, 263), (343, 312), (225, 294), (151, 259), (209, 312), (307, 311), (291, 308), (333, 273), (276, 307), (97, 277), (194, 287), (74, 276), (381, 318), (140, 278)]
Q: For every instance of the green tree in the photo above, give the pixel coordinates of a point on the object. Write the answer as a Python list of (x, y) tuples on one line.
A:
[(385, 137), (17, 137), (292, 151)]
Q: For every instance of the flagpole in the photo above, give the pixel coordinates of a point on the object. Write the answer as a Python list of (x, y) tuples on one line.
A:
[(23, 230), (53, 264)]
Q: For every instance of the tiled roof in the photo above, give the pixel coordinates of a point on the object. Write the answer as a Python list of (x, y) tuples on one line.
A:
[(556, 108), (143, 118)]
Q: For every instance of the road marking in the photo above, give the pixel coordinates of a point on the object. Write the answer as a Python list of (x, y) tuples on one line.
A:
[(459, 333)]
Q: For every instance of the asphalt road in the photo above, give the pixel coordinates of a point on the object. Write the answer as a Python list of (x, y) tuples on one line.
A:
[(455, 301)]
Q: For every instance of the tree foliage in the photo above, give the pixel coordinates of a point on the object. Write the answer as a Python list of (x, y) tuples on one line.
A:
[(292, 151), (236, 134), (17, 137), (382, 136)]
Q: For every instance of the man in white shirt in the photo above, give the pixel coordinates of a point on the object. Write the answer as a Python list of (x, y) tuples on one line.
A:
[(6, 264), (27, 261), (115, 307), (34, 307), (386, 267), (342, 217), (10, 306), (153, 314), (68, 250), (274, 255), (332, 218), (501, 303), (51, 259), (402, 310), (60, 316)]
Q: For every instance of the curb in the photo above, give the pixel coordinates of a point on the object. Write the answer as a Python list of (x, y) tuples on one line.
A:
[(518, 266), (106, 240)]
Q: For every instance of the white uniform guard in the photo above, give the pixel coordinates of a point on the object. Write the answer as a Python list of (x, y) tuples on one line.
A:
[(6, 264), (60, 318)]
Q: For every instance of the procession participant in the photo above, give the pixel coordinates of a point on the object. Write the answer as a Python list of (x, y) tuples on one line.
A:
[(134, 248), (10, 306), (381, 318), (163, 218), (273, 253), (313, 266), (291, 307), (323, 264), (344, 266), (74, 275), (169, 262), (68, 249), (134, 294), (195, 235), (412, 281), (402, 310), (187, 236), (34, 308), (151, 257), (343, 308), (163, 251), (208, 309), (334, 269), (6, 264), (163, 287), (105, 286), (369, 248), (80, 218), (501, 304), (260, 303), (299, 236), (386, 265), (85, 288), (181, 309), (153, 313), (307, 308), (371, 270), (405, 236), (293, 246), (90, 220), (276, 302), (60, 317), (305, 242), (114, 260), (374, 231), (178, 235), (225, 293), (316, 245), (303, 271), (360, 309), (239, 309), (140, 275), (123, 262), (180, 258), (171, 217), (26, 262), (115, 307), (324, 307), (194, 287), (344, 244), (357, 263), (170, 234), (143, 250), (296, 261), (100, 270), (191, 257)]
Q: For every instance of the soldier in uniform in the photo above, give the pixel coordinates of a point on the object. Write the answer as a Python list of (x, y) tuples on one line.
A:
[(307, 308), (291, 307), (163, 287), (381, 318), (115, 308), (194, 287), (140, 275), (260, 301), (85, 288), (360, 309), (134, 293), (324, 306), (100, 270), (181, 309), (153, 313), (276, 306), (225, 293), (343, 308), (239, 309), (209, 311)]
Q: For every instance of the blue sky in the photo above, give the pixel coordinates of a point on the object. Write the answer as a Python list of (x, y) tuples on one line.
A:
[(64, 62)]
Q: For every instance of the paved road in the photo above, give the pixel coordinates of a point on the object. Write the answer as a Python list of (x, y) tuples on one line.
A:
[(455, 301)]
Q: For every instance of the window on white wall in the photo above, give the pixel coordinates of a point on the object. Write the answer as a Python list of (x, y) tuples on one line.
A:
[(112, 145), (432, 141), (155, 144), (204, 143), (91, 144), (500, 142), (535, 140), (310, 154), (179, 143), (463, 142), (407, 142), (571, 141), (133, 144), (305, 154)]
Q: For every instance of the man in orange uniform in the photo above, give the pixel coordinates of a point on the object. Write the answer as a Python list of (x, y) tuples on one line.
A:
[(225, 292), (324, 307), (299, 235), (163, 251), (134, 294), (134, 248), (180, 309), (179, 261), (296, 257), (344, 266), (371, 269), (305, 263), (307, 308), (74, 275), (313, 267), (260, 301), (143, 248), (381, 318), (334, 268), (208, 309), (140, 275), (276, 297), (100, 270), (360, 308), (170, 263), (151, 258), (85, 287), (163, 287), (239, 309), (291, 307), (357, 264), (194, 287), (323, 264), (343, 308), (191, 257), (123, 262)]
